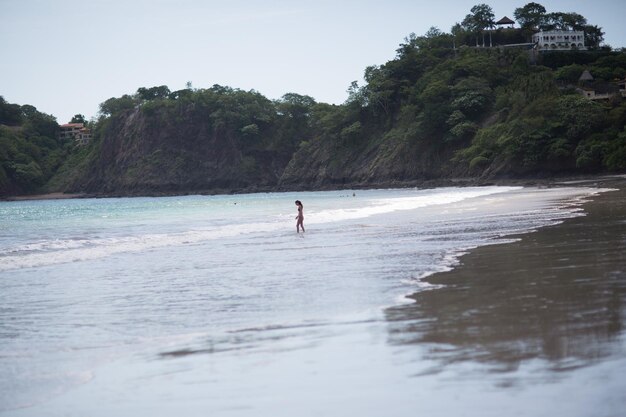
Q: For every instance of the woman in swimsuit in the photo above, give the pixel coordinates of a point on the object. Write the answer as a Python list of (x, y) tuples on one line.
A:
[(299, 217)]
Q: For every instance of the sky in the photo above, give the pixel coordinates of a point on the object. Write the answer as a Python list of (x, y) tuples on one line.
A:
[(66, 57)]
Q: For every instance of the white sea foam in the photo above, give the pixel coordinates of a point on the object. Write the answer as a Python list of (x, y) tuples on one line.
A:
[(69, 250), (388, 205), (54, 251)]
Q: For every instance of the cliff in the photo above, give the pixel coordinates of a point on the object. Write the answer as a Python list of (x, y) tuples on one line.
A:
[(324, 164), (478, 113), (430, 114), (180, 146)]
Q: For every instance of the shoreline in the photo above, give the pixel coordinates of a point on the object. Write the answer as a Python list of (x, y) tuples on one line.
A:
[(492, 334), (595, 180), (47, 196), (556, 295)]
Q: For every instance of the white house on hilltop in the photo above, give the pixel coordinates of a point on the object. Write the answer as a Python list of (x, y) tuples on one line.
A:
[(560, 40)]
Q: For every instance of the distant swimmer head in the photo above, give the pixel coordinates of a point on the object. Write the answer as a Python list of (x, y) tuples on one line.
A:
[(298, 203)]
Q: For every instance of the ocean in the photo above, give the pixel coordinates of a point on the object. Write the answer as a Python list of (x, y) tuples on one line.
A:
[(214, 305)]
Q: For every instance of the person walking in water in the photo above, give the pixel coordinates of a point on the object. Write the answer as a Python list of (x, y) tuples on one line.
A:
[(299, 217)]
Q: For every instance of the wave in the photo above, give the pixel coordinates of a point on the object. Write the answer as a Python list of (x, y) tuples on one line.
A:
[(64, 250), (427, 198), (71, 250)]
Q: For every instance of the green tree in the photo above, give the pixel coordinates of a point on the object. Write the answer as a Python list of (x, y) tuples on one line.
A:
[(564, 21), (30, 154), (29, 175), (295, 117), (379, 91), (530, 18), (38, 123), (569, 73), (435, 103), (10, 114), (594, 36), (296, 106), (472, 96), (579, 116), (574, 21), (78, 118), (116, 105), (153, 93), (469, 25), (434, 39), (458, 34), (480, 19), (29, 111), (356, 94), (351, 133)]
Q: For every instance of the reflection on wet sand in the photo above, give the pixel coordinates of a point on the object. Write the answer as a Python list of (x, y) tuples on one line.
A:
[(557, 295)]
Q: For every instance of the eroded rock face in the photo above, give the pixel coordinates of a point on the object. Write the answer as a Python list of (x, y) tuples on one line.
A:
[(157, 153), (323, 164)]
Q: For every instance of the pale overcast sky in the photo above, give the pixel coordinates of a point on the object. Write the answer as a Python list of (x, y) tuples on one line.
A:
[(66, 57)]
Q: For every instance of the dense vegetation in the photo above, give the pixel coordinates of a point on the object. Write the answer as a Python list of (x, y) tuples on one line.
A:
[(442, 108), (476, 112), (217, 138), (29, 150)]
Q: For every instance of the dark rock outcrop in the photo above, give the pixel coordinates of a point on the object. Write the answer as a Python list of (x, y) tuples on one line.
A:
[(153, 154)]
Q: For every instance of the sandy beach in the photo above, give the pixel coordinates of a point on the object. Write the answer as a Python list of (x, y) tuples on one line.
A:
[(146, 307), (556, 296), (49, 196)]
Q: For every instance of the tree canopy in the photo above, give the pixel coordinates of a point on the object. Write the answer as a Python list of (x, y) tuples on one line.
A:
[(480, 19), (78, 118), (30, 152), (531, 16)]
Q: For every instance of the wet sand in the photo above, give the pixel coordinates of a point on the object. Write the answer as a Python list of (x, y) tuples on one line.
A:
[(49, 196), (505, 324), (556, 297)]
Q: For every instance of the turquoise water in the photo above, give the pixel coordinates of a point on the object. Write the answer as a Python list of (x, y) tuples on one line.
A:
[(215, 305)]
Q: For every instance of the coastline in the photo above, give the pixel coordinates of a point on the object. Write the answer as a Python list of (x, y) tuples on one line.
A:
[(592, 180), (556, 296), (47, 196), (487, 335)]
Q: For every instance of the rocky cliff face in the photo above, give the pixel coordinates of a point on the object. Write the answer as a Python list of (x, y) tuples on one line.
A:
[(325, 164), (143, 153)]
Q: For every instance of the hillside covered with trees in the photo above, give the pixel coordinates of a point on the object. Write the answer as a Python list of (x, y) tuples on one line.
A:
[(449, 105), (30, 152)]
